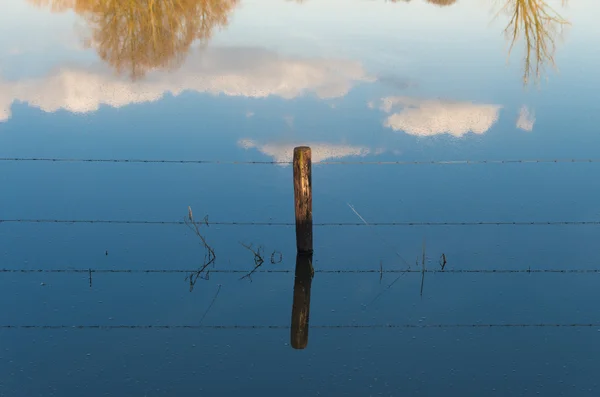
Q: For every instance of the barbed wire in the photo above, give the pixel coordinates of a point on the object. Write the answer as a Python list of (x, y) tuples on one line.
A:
[(326, 326), (324, 271), (416, 162), (317, 224)]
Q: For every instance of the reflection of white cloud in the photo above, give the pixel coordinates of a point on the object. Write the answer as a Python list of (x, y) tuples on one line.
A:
[(15, 51), (249, 114), (5, 102), (4, 111), (282, 152), (433, 117), (289, 120), (526, 119), (216, 71)]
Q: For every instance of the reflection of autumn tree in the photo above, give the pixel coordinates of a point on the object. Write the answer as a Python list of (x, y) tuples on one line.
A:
[(141, 35), (56, 5), (442, 2), (436, 2), (136, 36), (539, 25)]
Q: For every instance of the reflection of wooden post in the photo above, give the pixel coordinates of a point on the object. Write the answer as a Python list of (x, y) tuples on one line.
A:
[(303, 199), (301, 305)]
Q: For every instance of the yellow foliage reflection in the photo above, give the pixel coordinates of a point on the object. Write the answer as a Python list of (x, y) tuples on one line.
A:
[(539, 25), (137, 36), (536, 23), (442, 3)]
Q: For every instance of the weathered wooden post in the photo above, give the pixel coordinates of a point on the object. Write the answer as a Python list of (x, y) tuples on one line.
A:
[(303, 199), (301, 305)]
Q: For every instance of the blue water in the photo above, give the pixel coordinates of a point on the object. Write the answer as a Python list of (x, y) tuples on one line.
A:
[(96, 256)]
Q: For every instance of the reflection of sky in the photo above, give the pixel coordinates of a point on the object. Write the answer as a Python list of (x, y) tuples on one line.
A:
[(420, 83), (214, 71), (463, 90)]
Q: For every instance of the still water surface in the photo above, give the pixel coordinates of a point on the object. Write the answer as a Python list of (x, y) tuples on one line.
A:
[(415, 112)]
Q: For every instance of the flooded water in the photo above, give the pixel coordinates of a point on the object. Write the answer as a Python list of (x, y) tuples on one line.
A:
[(147, 216)]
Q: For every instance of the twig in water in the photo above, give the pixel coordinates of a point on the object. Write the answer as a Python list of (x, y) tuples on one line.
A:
[(423, 269), (209, 253), (276, 257), (258, 260), (211, 304)]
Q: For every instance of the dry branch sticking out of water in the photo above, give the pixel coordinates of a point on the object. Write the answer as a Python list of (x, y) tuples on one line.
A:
[(209, 253), (423, 269), (276, 257), (258, 259)]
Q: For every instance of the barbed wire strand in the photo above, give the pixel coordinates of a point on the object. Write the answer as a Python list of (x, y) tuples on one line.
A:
[(317, 224), (331, 326), (417, 162), (324, 271)]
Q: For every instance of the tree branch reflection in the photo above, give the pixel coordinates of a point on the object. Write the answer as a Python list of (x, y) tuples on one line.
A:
[(539, 25), (137, 36)]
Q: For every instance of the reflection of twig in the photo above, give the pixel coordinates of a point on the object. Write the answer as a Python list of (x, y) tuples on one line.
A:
[(258, 260), (380, 271), (423, 269), (388, 287), (90, 278), (385, 241), (443, 261), (211, 304), (377, 234), (209, 254)]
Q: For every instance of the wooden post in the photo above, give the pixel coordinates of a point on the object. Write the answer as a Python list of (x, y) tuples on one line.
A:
[(301, 304), (303, 199)]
